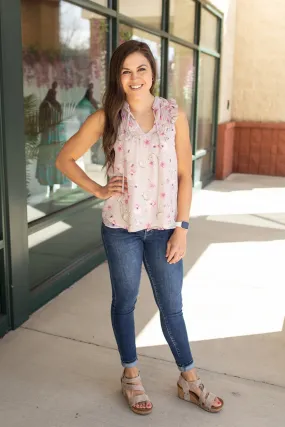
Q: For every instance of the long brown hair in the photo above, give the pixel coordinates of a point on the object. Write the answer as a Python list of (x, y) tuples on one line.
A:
[(114, 97)]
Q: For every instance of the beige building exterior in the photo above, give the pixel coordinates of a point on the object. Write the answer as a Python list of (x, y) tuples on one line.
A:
[(252, 65), (251, 137), (259, 73), (228, 7)]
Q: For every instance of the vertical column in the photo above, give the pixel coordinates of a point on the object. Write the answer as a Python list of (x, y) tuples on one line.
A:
[(194, 133), (14, 159), (217, 94), (114, 27), (164, 49)]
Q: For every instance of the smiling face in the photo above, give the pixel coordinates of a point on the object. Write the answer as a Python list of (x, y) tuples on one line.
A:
[(136, 76)]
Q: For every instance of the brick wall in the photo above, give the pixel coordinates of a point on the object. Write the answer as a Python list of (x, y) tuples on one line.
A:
[(250, 147)]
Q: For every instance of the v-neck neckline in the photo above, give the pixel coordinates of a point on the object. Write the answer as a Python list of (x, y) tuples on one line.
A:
[(140, 128), (153, 107)]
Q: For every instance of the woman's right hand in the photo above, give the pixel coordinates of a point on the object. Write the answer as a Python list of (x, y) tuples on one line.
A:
[(113, 188)]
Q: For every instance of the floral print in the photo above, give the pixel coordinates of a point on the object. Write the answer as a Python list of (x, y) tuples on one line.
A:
[(148, 162)]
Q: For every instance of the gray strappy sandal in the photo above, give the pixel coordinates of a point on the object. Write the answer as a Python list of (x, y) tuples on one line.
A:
[(187, 391), (132, 384)]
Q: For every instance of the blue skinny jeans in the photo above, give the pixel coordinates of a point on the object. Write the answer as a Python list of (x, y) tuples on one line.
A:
[(126, 251)]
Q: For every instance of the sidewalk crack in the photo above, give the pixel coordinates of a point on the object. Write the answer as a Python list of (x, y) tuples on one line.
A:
[(152, 357)]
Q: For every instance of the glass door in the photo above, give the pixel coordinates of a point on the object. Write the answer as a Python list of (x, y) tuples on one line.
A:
[(4, 302), (204, 164), (1, 257)]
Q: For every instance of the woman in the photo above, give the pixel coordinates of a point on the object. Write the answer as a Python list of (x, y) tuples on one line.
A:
[(86, 106), (53, 137), (146, 213)]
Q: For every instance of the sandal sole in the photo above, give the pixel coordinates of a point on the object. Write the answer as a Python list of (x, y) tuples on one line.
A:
[(138, 412), (195, 401)]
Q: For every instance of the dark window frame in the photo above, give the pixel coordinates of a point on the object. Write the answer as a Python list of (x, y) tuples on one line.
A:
[(14, 202)]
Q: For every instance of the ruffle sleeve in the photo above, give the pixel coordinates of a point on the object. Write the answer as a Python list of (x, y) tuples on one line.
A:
[(173, 109)]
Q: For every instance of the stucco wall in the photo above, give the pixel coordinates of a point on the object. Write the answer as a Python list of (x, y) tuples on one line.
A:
[(228, 7), (259, 75), (40, 24)]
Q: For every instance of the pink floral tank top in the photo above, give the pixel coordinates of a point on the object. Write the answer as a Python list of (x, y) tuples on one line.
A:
[(149, 162)]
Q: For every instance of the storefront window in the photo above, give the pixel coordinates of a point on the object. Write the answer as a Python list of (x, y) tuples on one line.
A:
[(56, 246), (64, 68), (206, 101), (65, 49), (181, 75), (129, 33), (147, 12), (182, 19), (101, 2), (203, 169), (2, 269), (209, 30)]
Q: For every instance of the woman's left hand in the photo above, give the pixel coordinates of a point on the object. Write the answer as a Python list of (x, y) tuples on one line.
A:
[(176, 246)]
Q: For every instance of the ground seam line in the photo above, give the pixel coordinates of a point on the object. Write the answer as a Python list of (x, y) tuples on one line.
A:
[(149, 357)]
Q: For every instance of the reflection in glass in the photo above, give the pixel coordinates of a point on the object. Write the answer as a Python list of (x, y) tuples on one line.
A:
[(101, 2), (181, 76), (52, 138), (64, 67), (206, 101), (56, 246), (182, 19), (2, 263), (203, 168), (209, 30), (2, 281), (147, 12), (129, 33)]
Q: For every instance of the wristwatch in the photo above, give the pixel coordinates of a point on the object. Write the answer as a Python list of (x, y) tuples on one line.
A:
[(182, 224)]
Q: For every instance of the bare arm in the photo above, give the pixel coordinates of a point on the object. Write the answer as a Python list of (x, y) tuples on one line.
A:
[(176, 247), (75, 147), (184, 157)]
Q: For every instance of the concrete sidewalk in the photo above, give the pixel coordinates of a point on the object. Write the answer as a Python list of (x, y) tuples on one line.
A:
[(61, 368)]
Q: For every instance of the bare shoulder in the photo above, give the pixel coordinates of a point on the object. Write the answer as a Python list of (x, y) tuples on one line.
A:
[(182, 131), (97, 121), (182, 119)]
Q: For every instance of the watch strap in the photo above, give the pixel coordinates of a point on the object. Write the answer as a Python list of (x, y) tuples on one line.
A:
[(182, 224)]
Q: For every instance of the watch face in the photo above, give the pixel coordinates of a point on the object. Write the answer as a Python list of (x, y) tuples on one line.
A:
[(185, 225)]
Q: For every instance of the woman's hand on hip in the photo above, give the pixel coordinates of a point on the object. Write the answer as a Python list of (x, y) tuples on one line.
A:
[(113, 188), (176, 246)]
